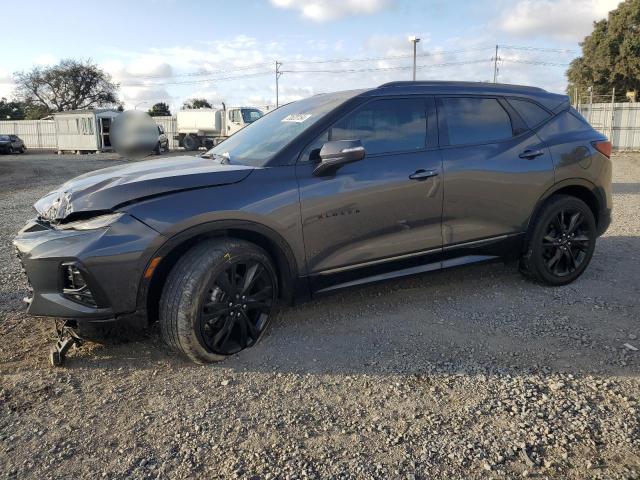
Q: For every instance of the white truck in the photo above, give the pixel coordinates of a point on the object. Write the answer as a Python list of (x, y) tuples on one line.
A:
[(206, 127)]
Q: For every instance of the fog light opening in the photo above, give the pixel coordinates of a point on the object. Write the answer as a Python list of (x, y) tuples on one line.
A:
[(74, 286)]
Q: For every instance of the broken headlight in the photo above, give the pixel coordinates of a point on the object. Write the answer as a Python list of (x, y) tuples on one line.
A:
[(94, 223)]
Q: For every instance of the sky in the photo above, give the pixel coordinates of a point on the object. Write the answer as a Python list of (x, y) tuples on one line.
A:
[(172, 50)]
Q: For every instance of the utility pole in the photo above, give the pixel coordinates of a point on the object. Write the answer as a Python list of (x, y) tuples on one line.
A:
[(495, 66), (415, 41), (278, 73)]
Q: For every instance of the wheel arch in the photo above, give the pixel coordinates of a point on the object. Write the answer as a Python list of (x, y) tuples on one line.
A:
[(277, 248), (575, 187)]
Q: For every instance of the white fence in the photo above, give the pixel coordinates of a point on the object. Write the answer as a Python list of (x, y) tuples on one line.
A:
[(41, 134), (34, 133), (618, 121)]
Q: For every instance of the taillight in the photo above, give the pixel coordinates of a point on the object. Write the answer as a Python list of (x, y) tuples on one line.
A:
[(603, 147)]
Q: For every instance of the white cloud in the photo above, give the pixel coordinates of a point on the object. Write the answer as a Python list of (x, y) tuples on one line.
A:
[(325, 10), (562, 19), (45, 59)]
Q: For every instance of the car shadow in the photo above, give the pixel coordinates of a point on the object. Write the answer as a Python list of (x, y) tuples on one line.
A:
[(484, 319)]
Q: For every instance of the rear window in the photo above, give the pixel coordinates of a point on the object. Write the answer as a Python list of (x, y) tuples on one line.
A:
[(531, 113), (476, 120)]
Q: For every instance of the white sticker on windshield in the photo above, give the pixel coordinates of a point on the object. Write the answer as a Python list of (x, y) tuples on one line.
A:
[(296, 117)]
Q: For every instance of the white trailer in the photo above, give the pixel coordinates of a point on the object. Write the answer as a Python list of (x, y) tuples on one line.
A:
[(206, 127), (84, 130)]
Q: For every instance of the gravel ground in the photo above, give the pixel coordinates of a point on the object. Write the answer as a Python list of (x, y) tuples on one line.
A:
[(469, 373)]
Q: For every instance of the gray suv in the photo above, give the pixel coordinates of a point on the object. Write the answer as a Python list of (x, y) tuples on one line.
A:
[(329, 192)]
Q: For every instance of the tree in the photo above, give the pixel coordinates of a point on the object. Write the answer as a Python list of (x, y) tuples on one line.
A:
[(70, 85), (160, 109), (196, 103), (10, 110), (611, 54)]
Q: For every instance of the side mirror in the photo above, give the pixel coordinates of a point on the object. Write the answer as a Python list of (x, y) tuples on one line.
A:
[(337, 153)]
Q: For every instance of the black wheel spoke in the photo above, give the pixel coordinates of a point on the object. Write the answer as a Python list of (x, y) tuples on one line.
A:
[(216, 309), (571, 261), (253, 274), (574, 222), (553, 261), (223, 334), (253, 330)]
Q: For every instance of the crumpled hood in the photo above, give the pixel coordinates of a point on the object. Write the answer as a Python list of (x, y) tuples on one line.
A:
[(105, 189)]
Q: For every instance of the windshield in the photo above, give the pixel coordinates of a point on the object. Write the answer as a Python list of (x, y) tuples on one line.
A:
[(4, 138), (260, 141), (250, 115)]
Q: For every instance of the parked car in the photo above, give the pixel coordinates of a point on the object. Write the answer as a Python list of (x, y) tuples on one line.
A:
[(11, 144), (329, 192), (163, 141)]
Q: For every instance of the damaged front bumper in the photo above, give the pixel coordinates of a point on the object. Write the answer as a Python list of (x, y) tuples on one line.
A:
[(84, 274)]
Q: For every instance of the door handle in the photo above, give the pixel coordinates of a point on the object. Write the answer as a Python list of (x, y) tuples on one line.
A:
[(423, 174), (529, 154)]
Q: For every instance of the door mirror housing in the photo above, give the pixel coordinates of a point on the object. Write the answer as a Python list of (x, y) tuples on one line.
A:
[(335, 154)]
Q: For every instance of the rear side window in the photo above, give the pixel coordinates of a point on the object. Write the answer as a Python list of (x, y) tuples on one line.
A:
[(385, 126), (476, 120), (531, 113)]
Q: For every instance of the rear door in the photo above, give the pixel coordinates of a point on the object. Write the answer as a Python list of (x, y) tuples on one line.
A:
[(388, 204), (495, 168)]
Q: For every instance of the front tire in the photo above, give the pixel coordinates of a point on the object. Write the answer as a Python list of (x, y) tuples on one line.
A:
[(562, 242), (218, 299)]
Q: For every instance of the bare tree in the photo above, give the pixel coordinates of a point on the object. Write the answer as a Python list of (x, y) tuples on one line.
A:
[(70, 85)]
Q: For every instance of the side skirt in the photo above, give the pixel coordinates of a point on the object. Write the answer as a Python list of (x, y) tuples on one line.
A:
[(504, 247)]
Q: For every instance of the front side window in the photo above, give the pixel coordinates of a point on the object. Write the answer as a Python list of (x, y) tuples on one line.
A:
[(385, 126), (476, 120), (235, 116)]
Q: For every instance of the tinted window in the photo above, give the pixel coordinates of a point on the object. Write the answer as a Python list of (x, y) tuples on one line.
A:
[(476, 120), (531, 113), (394, 125)]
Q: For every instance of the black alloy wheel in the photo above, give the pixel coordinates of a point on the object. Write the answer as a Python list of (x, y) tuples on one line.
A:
[(566, 243), (218, 299), (236, 306), (561, 243)]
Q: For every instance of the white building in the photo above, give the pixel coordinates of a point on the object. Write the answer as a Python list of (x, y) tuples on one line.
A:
[(84, 130)]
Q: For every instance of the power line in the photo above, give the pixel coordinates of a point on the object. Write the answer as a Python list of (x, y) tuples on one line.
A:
[(535, 62), (388, 57), (537, 49), (193, 82), (383, 69), (292, 61)]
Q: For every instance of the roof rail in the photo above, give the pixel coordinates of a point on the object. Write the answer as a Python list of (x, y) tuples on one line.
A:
[(444, 83)]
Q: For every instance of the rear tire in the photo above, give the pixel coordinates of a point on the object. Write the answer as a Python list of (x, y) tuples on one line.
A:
[(218, 299), (562, 242), (190, 143)]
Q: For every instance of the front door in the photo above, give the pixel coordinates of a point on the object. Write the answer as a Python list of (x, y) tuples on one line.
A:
[(386, 206), (105, 132), (234, 121)]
